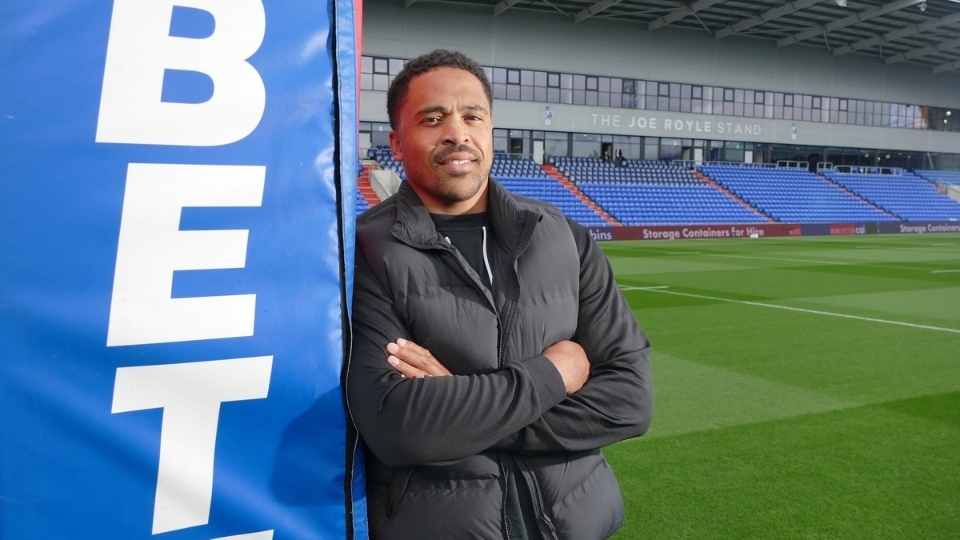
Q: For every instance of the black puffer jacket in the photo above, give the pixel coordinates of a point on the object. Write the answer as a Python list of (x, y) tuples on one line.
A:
[(439, 447)]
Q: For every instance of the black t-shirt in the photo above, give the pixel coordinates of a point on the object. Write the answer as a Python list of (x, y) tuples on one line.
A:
[(471, 235)]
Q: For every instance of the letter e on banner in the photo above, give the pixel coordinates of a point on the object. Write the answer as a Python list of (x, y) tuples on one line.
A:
[(151, 248), (140, 49)]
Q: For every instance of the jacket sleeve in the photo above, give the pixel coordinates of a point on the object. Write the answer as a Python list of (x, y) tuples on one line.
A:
[(616, 403), (434, 420)]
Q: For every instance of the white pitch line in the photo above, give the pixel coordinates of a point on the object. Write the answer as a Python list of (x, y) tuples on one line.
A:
[(629, 288), (802, 310), (944, 271)]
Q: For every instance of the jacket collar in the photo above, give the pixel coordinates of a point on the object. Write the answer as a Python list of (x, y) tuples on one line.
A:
[(509, 217)]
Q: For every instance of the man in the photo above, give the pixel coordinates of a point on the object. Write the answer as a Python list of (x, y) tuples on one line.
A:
[(493, 353)]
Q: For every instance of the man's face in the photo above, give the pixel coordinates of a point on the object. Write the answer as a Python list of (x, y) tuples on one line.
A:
[(444, 137)]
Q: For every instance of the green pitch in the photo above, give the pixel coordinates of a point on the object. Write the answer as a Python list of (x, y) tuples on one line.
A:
[(805, 388)]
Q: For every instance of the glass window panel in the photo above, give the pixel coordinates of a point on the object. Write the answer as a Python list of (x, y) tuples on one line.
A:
[(778, 99), (696, 106), (807, 101), (738, 95), (526, 77), (675, 104), (686, 91), (499, 76), (664, 90), (816, 102), (366, 64), (381, 82), (738, 109), (591, 83), (396, 65), (788, 113), (526, 93), (674, 90), (553, 79), (697, 92), (540, 94), (728, 108), (728, 94), (708, 92), (616, 85), (788, 100), (748, 96), (603, 99), (579, 97), (663, 103), (566, 80), (758, 111), (652, 88), (843, 104), (380, 65), (499, 91), (843, 117), (603, 84), (540, 78), (513, 92), (513, 76), (366, 81), (629, 86), (579, 82), (777, 112), (553, 95), (591, 97), (685, 105)]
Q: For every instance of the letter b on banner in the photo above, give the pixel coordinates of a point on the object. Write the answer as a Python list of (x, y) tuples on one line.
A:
[(140, 52)]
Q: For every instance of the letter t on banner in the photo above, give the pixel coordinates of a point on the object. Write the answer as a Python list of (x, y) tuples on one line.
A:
[(190, 395)]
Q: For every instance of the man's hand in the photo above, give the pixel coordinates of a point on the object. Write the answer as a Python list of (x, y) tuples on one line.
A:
[(413, 361), (571, 361)]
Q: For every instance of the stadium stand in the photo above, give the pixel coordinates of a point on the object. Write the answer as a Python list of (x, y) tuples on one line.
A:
[(947, 177), (793, 195), (653, 193), (905, 195)]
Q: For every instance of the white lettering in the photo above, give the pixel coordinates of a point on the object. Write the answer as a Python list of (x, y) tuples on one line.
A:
[(140, 49), (190, 395), (707, 126), (151, 248), (616, 120), (667, 124)]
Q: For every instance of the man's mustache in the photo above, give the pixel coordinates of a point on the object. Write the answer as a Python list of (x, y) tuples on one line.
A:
[(462, 149)]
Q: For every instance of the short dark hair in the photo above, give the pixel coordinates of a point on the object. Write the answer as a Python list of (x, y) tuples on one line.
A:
[(430, 61)]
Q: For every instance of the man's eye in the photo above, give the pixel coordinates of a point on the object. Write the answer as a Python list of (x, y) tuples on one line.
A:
[(431, 120)]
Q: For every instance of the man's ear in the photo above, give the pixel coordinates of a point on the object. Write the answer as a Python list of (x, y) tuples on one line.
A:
[(395, 145)]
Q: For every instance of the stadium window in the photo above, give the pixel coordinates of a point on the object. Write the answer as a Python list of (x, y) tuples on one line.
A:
[(616, 85), (553, 80), (603, 84), (540, 94), (603, 99), (758, 98), (381, 81), (591, 83), (738, 109), (686, 91), (807, 101), (697, 92), (592, 98), (685, 105), (553, 95), (366, 64), (380, 65), (738, 95), (748, 96), (579, 97), (579, 82), (396, 65), (663, 90), (843, 105), (513, 76), (566, 81), (728, 94), (696, 105), (513, 92), (499, 76), (816, 102), (788, 100), (526, 93), (526, 77), (499, 91), (728, 108), (540, 78)]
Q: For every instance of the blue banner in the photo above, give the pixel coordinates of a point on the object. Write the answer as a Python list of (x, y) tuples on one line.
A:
[(175, 219)]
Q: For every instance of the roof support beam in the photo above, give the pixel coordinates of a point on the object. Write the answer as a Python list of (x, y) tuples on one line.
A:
[(949, 66), (680, 13), (846, 21), (786, 9), (503, 6), (594, 9), (897, 34), (917, 53)]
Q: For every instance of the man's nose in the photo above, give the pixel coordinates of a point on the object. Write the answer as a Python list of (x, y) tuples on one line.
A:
[(456, 132)]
